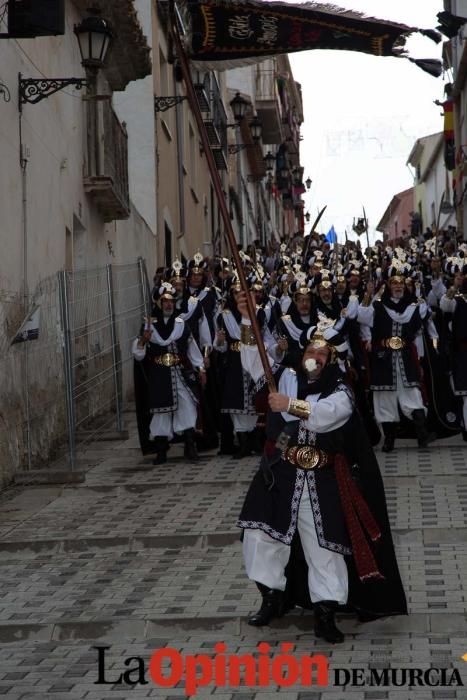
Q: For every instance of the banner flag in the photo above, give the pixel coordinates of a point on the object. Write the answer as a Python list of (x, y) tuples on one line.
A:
[(331, 236), (230, 30)]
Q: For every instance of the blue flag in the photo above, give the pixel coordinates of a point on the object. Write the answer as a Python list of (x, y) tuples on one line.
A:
[(331, 235)]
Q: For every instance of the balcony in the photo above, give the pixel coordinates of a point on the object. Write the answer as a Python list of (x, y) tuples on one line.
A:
[(214, 117), (268, 106), (106, 177), (461, 158)]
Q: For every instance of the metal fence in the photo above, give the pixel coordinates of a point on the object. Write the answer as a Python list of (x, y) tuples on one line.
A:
[(61, 391), (102, 311), (32, 401)]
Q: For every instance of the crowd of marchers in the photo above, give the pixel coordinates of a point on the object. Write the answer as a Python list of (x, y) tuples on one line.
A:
[(363, 346), (401, 310)]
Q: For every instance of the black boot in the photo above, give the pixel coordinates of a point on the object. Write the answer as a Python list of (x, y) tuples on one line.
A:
[(424, 437), (227, 446), (325, 625), (271, 607), (389, 430), (162, 445), (190, 451), (257, 440), (244, 449)]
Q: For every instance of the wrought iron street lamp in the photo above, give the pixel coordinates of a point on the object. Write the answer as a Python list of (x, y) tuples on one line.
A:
[(308, 182), (256, 129), (269, 161), (94, 36), (239, 106)]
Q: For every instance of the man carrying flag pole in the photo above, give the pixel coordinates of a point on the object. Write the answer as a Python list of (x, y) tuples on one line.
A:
[(381, 592)]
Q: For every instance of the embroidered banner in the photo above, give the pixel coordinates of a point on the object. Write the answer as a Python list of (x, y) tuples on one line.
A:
[(238, 29)]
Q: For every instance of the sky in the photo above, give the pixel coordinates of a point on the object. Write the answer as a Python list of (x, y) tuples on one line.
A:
[(362, 115)]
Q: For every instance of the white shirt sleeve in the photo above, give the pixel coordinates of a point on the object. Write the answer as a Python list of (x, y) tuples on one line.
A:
[(437, 290), (251, 361), (366, 315), (329, 413), (138, 353), (352, 307), (205, 337), (448, 306), (431, 330), (194, 353), (288, 386)]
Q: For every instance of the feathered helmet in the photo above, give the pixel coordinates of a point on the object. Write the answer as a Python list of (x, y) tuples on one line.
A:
[(300, 287), (233, 284), (196, 266), (456, 264), (324, 279), (165, 291), (254, 282), (175, 273), (325, 334), (399, 268)]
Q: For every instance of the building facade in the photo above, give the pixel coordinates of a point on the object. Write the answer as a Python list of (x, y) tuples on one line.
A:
[(92, 182), (397, 219), (66, 207), (432, 183)]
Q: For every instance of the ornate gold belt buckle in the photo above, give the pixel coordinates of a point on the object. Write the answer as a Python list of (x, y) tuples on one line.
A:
[(308, 457), (395, 343)]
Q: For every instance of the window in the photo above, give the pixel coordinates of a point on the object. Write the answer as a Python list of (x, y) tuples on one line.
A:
[(165, 91), (168, 245), (192, 153)]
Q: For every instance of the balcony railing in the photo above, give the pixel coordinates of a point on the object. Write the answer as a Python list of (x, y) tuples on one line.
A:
[(268, 105), (106, 178), (214, 116)]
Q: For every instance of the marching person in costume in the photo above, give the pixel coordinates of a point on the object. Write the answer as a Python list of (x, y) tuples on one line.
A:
[(392, 322), (237, 396), (170, 363), (307, 525), (455, 302)]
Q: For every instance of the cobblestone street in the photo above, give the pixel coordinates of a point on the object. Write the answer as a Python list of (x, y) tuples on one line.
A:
[(139, 557)]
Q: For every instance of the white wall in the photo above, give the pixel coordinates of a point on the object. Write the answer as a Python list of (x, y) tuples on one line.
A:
[(135, 106)]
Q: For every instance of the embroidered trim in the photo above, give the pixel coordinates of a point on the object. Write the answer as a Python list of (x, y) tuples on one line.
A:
[(323, 542), (295, 504), (173, 382)]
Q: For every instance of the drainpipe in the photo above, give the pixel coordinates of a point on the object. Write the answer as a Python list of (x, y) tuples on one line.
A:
[(180, 145)]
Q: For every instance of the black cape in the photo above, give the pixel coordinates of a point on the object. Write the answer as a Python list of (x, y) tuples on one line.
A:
[(373, 598)]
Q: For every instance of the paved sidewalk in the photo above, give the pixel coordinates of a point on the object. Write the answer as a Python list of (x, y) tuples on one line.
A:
[(140, 557)]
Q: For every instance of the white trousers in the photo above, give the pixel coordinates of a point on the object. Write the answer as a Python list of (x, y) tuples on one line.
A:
[(265, 559), (243, 423), (166, 424), (386, 403)]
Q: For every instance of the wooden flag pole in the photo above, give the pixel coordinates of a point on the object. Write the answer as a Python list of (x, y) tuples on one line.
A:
[(217, 184), (313, 229)]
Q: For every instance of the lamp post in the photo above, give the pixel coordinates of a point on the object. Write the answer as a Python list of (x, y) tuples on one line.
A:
[(269, 161), (308, 182), (256, 130), (94, 36), (239, 106)]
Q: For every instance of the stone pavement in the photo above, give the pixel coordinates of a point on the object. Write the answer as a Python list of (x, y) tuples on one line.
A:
[(140, 557)]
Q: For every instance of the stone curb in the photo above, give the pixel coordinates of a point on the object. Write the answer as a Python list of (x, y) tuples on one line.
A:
[(49, 476), (222, 627), (25, 548)]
